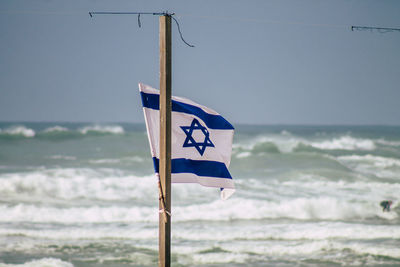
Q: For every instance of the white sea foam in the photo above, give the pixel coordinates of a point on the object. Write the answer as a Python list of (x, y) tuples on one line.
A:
[(363, 191), (55, 129), (18, 131), (341, 252), (388, 143), (81, 233), (134, 159), (379, 166), (111, 129), (124, 160), (45, 262), (287, 143), (313, 249), (245, 154), (345, 143), (236, 239), (76, 183), (220, 258), (377, 161), (62, 157), (92, 214), (321, 208), (301, 198), (291, 232), (104, 161)]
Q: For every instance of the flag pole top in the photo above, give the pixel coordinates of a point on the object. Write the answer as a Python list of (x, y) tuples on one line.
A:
[(165, 13)]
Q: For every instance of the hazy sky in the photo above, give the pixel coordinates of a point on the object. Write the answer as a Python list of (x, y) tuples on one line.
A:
[(258, 62)]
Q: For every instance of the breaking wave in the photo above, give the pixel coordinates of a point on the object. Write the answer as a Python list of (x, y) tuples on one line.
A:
[(55, 129), (300, 232), (281, 231), (345, 143), (47, 262), (70, 215), (294, 252), (317, 208), (17, 131), (102, 129), (57, 132), (84, 195), (76, 183), (285, 143), (383, 167), (377, 161)]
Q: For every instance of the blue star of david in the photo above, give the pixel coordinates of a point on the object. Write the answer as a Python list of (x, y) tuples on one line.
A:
[(190, 142)]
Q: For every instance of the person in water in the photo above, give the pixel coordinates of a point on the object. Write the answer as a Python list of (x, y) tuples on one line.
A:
[(386, 205)]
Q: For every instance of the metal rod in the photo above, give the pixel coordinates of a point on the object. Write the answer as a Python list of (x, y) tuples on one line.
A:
[(374, 28)]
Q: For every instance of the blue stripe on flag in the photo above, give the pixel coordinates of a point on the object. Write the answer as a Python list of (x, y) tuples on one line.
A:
[(212, 121), (199, 167)]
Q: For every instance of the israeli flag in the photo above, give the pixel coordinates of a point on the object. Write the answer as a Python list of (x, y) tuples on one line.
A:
[(201, 141)]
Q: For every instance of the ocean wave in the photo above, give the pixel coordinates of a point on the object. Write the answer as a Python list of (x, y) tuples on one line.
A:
[(55, 129), (241, 155), (104, 161), (364, 191), (388, 143), (297, 197), (252, 232), (292, 232), (320, 252), (85, 184), (210, 244), (315, 208), (76, 183), (64, 157), (313, 250), (60, 132), (345, 143), (57, 133), (102, 129), (378, 161), (127, 160), (104, 231), (382, 167), (293, 251), (220, 257), (267, 144), (318, 208), (91, 214), (17, 131), (48, 262), (288, 143)]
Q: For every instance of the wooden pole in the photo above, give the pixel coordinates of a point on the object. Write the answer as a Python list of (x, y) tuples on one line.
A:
[(164, 259)]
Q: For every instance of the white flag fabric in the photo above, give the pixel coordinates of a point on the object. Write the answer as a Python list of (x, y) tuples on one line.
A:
[(201, 141)]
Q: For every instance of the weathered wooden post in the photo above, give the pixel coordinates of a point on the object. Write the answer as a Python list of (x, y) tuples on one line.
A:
[(164, 258)]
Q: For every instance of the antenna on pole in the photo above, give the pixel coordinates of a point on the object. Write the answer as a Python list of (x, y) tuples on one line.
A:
[(379, 29)]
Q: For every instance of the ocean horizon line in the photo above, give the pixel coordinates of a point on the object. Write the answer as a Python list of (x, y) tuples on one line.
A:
[(235, 123)]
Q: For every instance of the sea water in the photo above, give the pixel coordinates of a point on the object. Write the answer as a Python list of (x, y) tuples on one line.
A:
[(86, 195)]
